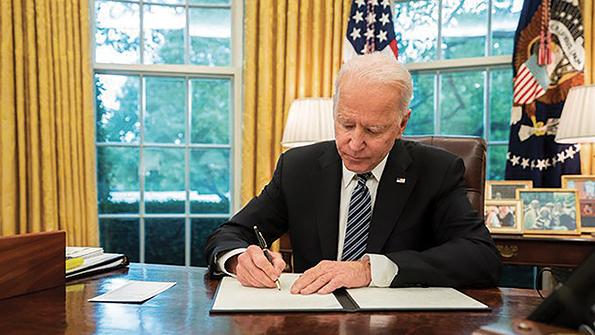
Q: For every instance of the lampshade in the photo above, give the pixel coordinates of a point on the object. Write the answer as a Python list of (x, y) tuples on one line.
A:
[(577, 122), (309, 121)]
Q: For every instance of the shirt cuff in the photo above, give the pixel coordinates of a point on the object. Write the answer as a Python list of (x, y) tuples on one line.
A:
[(221, 259), (382, 270)]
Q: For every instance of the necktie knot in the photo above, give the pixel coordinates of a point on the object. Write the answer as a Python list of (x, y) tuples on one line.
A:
[(363, 177)]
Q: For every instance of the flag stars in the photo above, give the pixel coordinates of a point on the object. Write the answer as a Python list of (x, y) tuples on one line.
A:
[(525, 163), (382, 36), (359, 16), (386, 3), (355, 33), (371, 18), (541, 164), (370, 34), (384, 19), (374, 2), (360, 3), (515, 160), (561, 157)]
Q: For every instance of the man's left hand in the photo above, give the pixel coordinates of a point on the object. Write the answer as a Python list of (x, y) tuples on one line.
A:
[(328, 276)]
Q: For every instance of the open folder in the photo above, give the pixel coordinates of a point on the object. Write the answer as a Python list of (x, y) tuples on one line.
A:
[(232, 297)]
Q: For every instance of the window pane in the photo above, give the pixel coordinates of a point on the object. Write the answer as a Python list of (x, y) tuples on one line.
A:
[(464, 28), (211, 110), (421, 121), (164, 241), (164, 34), (210, 36), (117, 31), (420, 17), (116, 102), (461, 103), (209, 181), (164, 180), (201, 229), (173, 2), (117, 180), (209, 2), (120, 236), (496, 161), (165, 110), (505, 18), (500, 103)]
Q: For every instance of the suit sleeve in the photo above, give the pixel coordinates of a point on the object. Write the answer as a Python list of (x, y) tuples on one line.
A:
[(464, 254), (268, 211)]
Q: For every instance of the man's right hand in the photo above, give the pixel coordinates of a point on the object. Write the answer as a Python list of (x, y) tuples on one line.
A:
[(253, 269)]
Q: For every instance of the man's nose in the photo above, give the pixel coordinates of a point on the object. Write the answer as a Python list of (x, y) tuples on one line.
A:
[(357, 141)]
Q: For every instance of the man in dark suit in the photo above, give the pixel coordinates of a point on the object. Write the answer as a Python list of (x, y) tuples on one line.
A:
[(368, 209)]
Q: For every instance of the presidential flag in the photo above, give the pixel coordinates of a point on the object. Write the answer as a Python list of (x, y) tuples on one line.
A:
[(548, 60), (370, 28)]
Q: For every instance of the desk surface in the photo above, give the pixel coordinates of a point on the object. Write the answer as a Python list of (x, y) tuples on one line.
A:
[(184, 309)]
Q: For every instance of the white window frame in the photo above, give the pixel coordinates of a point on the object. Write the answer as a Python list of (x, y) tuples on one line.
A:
[(485, 63), (188, 71)]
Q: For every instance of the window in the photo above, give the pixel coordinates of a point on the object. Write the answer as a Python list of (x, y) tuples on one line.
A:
[(459, 54), (166, 85)]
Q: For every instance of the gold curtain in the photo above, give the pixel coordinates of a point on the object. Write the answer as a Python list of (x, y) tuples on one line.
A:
[(47, 154), (292, 49), (588, 150)]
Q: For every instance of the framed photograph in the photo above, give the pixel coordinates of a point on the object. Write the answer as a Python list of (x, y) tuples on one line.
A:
[(585, 190), (505, 189), (503, 216), (549, 211)]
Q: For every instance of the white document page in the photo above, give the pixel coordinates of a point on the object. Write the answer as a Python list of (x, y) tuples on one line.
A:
[(413, 298), (134, 291), (233, 297)]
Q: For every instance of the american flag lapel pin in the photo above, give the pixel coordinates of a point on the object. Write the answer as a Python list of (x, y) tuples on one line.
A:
[(401, 180)]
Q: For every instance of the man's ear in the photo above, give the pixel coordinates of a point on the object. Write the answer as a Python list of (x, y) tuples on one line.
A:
[(404, 121)]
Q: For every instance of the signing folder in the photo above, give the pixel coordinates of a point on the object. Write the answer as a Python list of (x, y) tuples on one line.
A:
[(232, 297)]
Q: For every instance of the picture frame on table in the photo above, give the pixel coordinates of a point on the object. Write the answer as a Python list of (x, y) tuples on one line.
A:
[(503, 216), (585, 188), (505, 189), (550, 211)]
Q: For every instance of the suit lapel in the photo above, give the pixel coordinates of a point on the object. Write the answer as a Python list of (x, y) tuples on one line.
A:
[(396, 184), (327, 183)]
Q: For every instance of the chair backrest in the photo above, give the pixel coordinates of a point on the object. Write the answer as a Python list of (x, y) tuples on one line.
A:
[(473, 152)]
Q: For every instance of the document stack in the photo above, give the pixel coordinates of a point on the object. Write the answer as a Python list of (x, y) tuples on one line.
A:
[(85, 261)]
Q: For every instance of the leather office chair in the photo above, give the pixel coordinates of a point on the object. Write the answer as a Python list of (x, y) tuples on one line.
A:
[(473, 152)]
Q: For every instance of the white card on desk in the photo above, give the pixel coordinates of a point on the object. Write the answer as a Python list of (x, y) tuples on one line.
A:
[(134, 291)]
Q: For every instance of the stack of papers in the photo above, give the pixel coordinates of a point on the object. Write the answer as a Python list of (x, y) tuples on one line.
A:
[(93, 260)]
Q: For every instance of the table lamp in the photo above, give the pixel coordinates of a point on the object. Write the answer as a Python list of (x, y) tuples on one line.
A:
[(577, 122), (310, 120)]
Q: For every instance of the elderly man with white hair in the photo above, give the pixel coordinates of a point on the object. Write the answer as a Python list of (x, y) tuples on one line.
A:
[(367, 209)]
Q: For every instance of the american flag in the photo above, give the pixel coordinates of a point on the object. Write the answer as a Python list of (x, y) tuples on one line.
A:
[(530, 83), (370, 28)]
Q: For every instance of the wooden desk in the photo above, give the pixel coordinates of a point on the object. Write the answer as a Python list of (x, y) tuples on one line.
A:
[(184, 309), (544, 250)]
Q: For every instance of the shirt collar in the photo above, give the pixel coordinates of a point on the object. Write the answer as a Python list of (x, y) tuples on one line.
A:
[(376, 172)]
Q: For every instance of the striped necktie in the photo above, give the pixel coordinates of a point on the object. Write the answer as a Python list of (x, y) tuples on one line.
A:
[(358, 220)]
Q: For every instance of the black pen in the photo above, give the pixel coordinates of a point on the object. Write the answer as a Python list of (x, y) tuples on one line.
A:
[(263, 245)]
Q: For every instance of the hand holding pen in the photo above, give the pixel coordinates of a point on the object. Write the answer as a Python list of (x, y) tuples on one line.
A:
[(253, 269), (263, 245)]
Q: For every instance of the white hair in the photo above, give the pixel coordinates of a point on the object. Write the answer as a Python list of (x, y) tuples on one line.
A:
[(377, 68)]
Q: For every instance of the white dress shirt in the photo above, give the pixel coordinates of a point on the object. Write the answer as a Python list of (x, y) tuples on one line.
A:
[(382, 269)]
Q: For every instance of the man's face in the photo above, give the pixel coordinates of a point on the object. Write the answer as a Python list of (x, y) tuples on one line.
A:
[(367, 124)]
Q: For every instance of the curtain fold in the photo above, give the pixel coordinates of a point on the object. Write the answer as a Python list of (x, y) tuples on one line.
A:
[(47, 150), (588, 150), (292, 49)]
